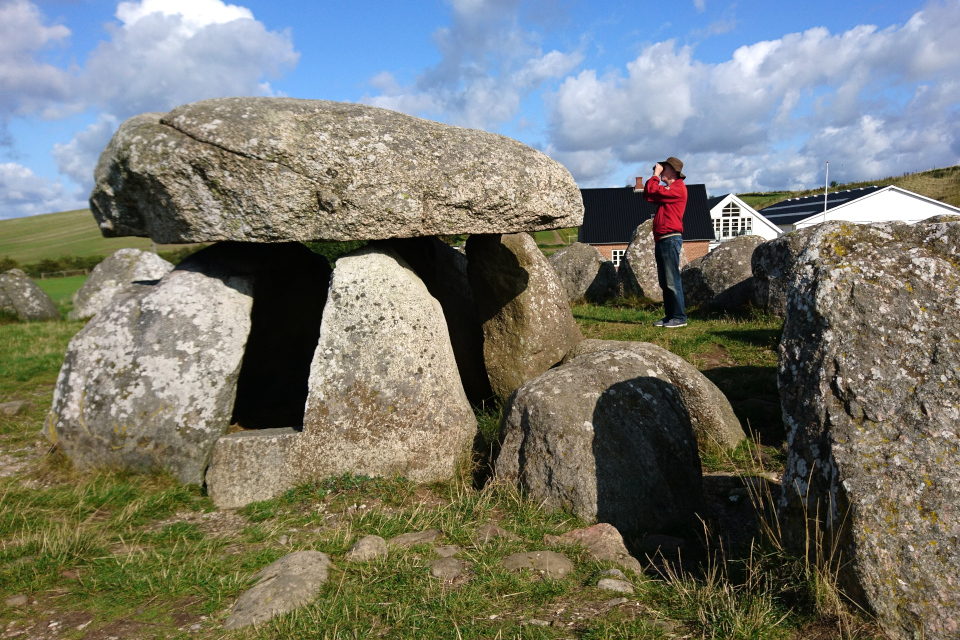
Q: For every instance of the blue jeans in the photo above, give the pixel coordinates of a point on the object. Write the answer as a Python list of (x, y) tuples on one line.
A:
[(667, 252)]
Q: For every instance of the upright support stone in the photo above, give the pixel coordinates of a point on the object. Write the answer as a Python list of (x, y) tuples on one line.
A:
[(527, 323), (385, 395)]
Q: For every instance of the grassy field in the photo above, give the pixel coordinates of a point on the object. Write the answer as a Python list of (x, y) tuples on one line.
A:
[(61, 290), (68, 233), (101, 554), (939, 184)]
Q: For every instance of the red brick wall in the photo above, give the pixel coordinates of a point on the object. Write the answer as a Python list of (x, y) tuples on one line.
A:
[(694, 250), (607, 249)]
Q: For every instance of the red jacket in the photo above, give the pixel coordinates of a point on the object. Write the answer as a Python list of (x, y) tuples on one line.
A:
[(671, 203)]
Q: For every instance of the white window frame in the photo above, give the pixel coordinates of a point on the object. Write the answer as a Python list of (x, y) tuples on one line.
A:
[(616, 255)]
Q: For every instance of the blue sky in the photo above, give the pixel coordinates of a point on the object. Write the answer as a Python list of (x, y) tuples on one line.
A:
[(750, 95)]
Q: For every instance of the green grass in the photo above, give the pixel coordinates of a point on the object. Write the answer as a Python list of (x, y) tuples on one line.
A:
[(61, 290), (68, 233), (144, 556)]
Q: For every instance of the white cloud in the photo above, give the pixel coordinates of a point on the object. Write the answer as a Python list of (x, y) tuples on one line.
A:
[(24, 194), (489, 66), (77, 158), (28, 85), (874, 102)]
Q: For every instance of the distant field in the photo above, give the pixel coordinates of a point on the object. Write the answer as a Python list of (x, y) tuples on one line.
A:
[(68, 233), (61, 290), (938, 184)]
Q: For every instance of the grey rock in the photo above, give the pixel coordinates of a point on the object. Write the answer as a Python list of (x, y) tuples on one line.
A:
[(614, 573), (447, 551), (20, 296), (638, 267), (612, 584), (287, 584), (869, 382), (443, 270), (384, 392), (150, 382), (14, 408), (711, 415), (447, 569), (118, 270), (487, 533), (16, 601), (527, 323), (535, 622), (407, 540), (367, 548), (615, 602), (281, 169), (584, 273), (604, 543), (773, 264), (605, 439), (250, 466), (722, 280), (550, 564)]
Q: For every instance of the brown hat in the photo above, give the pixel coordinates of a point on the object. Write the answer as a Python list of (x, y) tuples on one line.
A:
[(677, 166)]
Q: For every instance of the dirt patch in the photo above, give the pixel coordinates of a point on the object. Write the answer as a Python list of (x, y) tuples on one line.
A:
[(216, 524)]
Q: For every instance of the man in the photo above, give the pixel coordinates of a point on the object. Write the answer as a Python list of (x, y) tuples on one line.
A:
[(671, 200)]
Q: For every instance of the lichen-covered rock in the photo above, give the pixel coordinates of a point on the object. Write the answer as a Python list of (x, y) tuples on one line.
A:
[(606, 439), (384, 394), (443, 270), (20, 296), (638, 267), (150, 381), (722, 280), (711, 415), (584, 273), (527, 322), (118, 270), (276, 169), (773, 265), (869, 377)]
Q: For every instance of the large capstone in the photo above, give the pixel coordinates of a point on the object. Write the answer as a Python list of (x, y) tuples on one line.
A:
[(711, 415), (281, 169), (123, 267), (869, 378), (638, 267), (20, 296), (443, 270), (584, 273), (527, 323), (722, 280), (605, 438), (385, 395)]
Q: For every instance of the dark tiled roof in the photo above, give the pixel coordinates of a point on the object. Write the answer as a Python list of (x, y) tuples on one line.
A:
[(712, 202), (611, 216), (796, 209)]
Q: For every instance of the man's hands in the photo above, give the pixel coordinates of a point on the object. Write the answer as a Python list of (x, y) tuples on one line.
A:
[(657, 170)]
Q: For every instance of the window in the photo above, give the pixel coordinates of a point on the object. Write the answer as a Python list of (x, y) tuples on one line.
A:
[(617, 255), (731, 223)]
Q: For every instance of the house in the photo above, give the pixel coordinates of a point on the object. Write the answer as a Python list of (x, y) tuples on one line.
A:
[(733, 217), (863, 206), (610, 216)]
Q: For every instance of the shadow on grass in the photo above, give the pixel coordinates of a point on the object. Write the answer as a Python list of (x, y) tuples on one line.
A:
[(763, 338)]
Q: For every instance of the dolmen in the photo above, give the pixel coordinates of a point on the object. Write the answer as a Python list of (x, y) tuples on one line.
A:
[(253, 366)]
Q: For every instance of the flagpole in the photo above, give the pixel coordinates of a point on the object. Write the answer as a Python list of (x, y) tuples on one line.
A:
[(826, 188)]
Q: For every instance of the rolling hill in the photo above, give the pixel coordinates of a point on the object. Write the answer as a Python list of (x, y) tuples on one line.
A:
[(68, 233)]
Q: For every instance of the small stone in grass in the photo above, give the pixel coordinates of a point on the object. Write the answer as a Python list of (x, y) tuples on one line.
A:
[(447, 551), (615, 602), (446, 568), (620, 586), (550, 564), (368, 548), (407, 540), (614, 573), (16, 601)]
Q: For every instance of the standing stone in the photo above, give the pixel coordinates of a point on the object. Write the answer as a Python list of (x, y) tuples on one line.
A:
[(281, 169), (604, 438), (638, 267), (289, 583), (584, 273), (118, 270), (385, 395), (443, 270), (711, 415), (773, 264), (20, 296), (527, 323), (150, 382), (869, 378), (722, 280)]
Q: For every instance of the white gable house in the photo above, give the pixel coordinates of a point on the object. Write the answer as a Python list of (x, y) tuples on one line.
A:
[(733, 217), (889, 204)]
